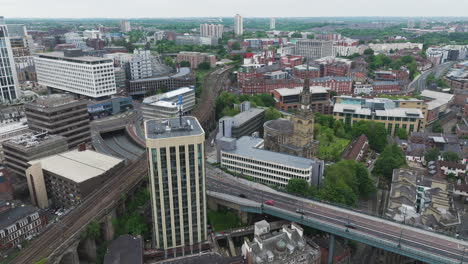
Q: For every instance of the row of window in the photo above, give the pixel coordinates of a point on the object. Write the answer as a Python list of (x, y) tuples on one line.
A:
[(266, 164)]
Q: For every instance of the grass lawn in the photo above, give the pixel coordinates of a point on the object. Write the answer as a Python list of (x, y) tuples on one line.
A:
[(223, 220), (332, 150)]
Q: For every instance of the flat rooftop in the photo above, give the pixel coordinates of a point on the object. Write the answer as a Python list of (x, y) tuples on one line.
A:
[(12, 215), (172, 127), (59, 55), (246, 146), (168, 95), (298, 90), (53, 100), (33, 140), (245, 116), (78, 166)]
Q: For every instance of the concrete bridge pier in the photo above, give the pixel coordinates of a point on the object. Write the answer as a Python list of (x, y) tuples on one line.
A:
[(109, 230), (331, 248), (70, 256)]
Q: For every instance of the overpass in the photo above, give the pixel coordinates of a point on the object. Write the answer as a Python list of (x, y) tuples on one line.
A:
[(412, 242)]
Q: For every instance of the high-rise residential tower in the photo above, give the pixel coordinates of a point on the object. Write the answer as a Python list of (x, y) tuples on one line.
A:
[(272, 23), (8, 78), (211, 30), (125, 26), (238, 25), (177, 180)]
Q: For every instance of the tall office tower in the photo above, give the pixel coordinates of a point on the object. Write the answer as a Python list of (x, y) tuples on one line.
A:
[(72, 72), (125, 26), (211, 30), (60, 114), (8, 78), (177, 178), (22, 46), (272, 23), (238, 25), (313, 49)]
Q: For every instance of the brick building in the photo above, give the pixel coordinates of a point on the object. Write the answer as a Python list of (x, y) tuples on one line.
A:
[(290, 61), (340, 85), (195, 58), (260, 85), (301, 70), (357, 149), (385, 87)]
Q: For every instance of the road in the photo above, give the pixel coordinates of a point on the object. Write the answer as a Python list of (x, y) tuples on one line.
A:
[(449, 248), (419, 84)]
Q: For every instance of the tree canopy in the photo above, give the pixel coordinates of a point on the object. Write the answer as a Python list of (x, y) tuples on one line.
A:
[(391, 158), (437, 127), (401, 133), (431, 154), (450, 156), (272, 114), (300, 187)]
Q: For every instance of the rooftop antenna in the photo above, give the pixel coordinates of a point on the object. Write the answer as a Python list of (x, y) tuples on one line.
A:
[(180, 106)]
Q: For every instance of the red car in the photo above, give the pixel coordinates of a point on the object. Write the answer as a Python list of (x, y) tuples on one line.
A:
[(270, 202)]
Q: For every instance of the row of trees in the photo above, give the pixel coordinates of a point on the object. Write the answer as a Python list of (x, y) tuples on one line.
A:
[(382, 61), (433, 154), (345, 182), (225, 104)]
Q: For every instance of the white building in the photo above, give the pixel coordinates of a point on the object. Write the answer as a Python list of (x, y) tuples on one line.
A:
[(91, 34), (166, 105), (8, 78), (363, 88), (211, 30), (272, 23), (238, 25), (84, 75), (313, 49), (140, 65), (125, 26), (246, 156), (75, 39)]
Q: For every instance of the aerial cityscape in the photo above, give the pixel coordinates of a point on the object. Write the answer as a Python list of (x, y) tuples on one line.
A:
[(193, 132)]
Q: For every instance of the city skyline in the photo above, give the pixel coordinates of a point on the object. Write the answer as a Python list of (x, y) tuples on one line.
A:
[(212, 8)]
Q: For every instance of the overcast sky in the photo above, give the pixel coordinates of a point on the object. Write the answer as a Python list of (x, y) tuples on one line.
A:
[(223, 8)]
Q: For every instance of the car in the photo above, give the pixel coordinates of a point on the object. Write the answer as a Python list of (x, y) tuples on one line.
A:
[(351, 225), (242, 195), (300, 211), (269, 202)]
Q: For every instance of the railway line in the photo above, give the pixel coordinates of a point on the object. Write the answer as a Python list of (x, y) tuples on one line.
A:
[(56, 237)]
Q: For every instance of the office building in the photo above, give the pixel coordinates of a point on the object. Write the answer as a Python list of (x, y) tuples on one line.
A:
[(406, 114), (92, 34), (60, 114), (22, 46), (76, 40), (288, 245), (71, 72), (125, 26), (211, 30), (287, 99), (182, 78), (176, 158), (272, 23), (108, 107), (10, 128), (21, 149), (313, 49), (438, 104), (247, 122), (18, 222), (195, 58), (166, 105), (9, 90), (137, 66), (238, 25), (68, 178), (247, 157)]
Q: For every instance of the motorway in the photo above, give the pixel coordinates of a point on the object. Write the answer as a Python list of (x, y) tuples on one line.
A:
[(449, 248), (419, 84)]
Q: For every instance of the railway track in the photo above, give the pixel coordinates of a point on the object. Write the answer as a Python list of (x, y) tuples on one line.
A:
[(55, 239)]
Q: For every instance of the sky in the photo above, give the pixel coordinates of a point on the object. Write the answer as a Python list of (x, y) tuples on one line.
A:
[(225, 8)]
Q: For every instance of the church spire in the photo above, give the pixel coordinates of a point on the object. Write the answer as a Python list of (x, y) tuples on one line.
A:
[(306, 87)]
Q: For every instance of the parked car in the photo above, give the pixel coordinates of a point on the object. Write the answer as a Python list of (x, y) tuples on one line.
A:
[(351, 225), (269, 202)]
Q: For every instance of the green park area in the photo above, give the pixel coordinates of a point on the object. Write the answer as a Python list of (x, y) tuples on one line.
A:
[(223, 220)]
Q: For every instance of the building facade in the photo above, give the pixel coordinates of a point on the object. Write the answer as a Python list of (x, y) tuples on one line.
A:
[(195, 58), (167, 105), (182, 78), (71, 72), (8, 77), (313, 49), (287, 99), (176, 158), (60, 114), (247, 122), (238, 25), (340, 85), (125, 26), (211, 30)]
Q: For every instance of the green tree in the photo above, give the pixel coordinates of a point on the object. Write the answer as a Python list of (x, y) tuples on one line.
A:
[(437, 127), (184, 64), (169, 62), (450, 156), (391, 158), (225, 100), (93, 230), (368, 51), (204, 66), (401, 133), (267, 99), (297, 186), (296, 35), (432, 154), (272, 114), (236, 46)]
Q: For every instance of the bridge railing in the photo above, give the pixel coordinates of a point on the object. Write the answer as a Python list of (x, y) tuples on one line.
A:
[(392, 246)]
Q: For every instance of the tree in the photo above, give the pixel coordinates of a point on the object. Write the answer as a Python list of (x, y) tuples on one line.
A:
[(272, 114), (296, 35), (333, 94), (93, 230), (297, 186), (391, 158), (267, 99), (184, 64), (368, 51), (437, 127), (236, 46), (450, 156), (401, 133), (169, 62), (224, 100), (432, 154), (204, 66)]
